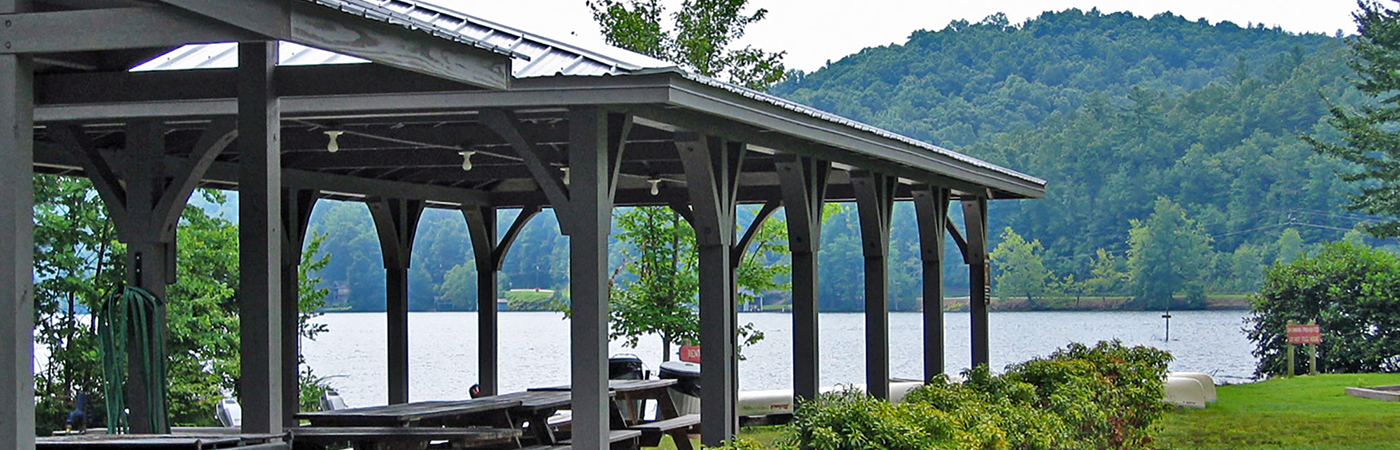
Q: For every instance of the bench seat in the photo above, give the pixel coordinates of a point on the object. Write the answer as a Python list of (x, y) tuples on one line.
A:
[(399, 437), (677, 427), (620, 439)]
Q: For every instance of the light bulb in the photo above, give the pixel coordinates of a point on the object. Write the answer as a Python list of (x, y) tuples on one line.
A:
[(466, 159), (334, 144), (566, 175), (655, 186)]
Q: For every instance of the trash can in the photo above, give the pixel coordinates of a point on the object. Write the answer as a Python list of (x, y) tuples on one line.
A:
[(626, 366), (686, 392)]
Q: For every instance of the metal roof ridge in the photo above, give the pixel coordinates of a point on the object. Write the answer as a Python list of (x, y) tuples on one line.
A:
[(833, 118)]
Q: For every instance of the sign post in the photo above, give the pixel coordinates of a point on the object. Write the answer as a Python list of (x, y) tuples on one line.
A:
[(1310, 334)]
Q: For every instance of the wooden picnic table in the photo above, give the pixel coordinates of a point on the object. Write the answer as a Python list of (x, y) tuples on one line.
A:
[(492, 411), (177, 441), (641, 390)]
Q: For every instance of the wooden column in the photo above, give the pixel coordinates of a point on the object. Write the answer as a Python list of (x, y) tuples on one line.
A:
[(803, 180), (16, 246), (931, 208), (712, 169), (396, 220), (979, 277), (144, 198), (875, 203), (489, 255), (584, 211), (296, 217), (259, 238)]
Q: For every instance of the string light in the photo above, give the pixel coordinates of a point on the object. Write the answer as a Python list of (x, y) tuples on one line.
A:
[(466, 159), (334, 144), (655, 186)]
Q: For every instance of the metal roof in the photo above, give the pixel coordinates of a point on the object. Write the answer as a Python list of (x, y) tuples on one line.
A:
[(533, 56)]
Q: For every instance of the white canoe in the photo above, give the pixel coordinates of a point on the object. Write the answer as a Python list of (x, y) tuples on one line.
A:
[(779, 401), (1207, 382), (1183, 391)]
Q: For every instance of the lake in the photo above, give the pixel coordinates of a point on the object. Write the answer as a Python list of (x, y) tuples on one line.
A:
[(535, 347)]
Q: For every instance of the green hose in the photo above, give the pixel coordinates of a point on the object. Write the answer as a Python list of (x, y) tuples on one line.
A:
[(133, 311)]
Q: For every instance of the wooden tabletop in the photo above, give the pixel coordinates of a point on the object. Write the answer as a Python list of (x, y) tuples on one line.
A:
[(152, 441), (406, 413), (620, 386)]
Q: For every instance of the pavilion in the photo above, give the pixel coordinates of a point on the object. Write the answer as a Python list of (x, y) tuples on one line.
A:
[(542, 123)]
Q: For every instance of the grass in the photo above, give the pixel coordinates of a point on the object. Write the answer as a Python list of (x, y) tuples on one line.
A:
[(1308, 412)]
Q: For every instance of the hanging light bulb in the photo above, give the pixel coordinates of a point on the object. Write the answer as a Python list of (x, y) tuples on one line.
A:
[(655, 186), (334, 144), (466, 159), (566, 175)]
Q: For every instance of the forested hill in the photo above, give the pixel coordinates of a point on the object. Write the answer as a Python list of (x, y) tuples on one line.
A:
[(1114, 111)]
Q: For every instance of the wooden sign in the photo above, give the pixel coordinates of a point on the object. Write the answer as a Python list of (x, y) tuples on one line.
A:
[(1304, 334), (690, 353)]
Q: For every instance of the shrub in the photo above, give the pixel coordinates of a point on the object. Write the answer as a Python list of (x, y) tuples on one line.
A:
[(1080, 397)]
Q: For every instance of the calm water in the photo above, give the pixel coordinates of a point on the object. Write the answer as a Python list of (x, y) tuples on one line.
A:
[(535, 347)]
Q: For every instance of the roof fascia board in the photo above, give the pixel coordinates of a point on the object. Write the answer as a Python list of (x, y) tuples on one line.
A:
[(698, 97), (110, 29), (327, 29)]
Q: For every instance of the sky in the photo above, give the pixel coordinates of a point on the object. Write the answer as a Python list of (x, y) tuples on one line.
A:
[(813, 32)]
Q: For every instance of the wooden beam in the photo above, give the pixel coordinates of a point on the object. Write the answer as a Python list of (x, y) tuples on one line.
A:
[(931, 210), (260, 241), (392, 45), (16, 246), (550, 180), (875, 204), (185, 177), (110, 29)]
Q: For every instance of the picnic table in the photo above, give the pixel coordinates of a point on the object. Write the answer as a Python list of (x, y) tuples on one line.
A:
[(463, 423), (177, 441), (668, 419)]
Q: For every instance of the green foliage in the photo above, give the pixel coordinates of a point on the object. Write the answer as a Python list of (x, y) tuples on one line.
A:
[(701, 39), (1351, 291), (1368, 133), (1023, 273), (1101, 397), (657, 292), (1168, 253)]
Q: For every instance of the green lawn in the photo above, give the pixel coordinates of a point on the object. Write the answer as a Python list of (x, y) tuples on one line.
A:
[(1299, 413)]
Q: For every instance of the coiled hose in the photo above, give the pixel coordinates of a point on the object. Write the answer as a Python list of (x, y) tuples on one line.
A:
[(133, 311)]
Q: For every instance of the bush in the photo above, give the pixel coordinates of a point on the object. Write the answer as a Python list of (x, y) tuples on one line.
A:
[(1351, 291), (1080, 397)]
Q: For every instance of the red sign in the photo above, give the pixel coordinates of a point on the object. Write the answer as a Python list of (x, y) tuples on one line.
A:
[(1304, 334), (690, 353)]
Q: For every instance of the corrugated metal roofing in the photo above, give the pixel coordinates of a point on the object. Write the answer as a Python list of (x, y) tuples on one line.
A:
[(533, 56)]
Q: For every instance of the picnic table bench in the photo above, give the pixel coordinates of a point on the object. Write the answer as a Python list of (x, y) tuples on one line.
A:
[(492, 411), (206, 441)]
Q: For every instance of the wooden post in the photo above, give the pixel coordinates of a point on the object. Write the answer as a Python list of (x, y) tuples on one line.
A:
[(588, 221), (296, 218), (931, 208), (396, 221), (712, 172), (875, 204), (1290, 361), (979, 277), (259, 237), (803, 183), (489, 255), (16, 246)]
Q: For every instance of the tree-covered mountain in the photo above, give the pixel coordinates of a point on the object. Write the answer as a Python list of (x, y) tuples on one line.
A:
[(1116, 112)]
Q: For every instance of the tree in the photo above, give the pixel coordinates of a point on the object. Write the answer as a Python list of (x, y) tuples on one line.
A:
[(1351, 291), (1369, 137), (1107, 277), (1289, 246), (699, 40), (1167, 254), (660, 298), (1023, 273)]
